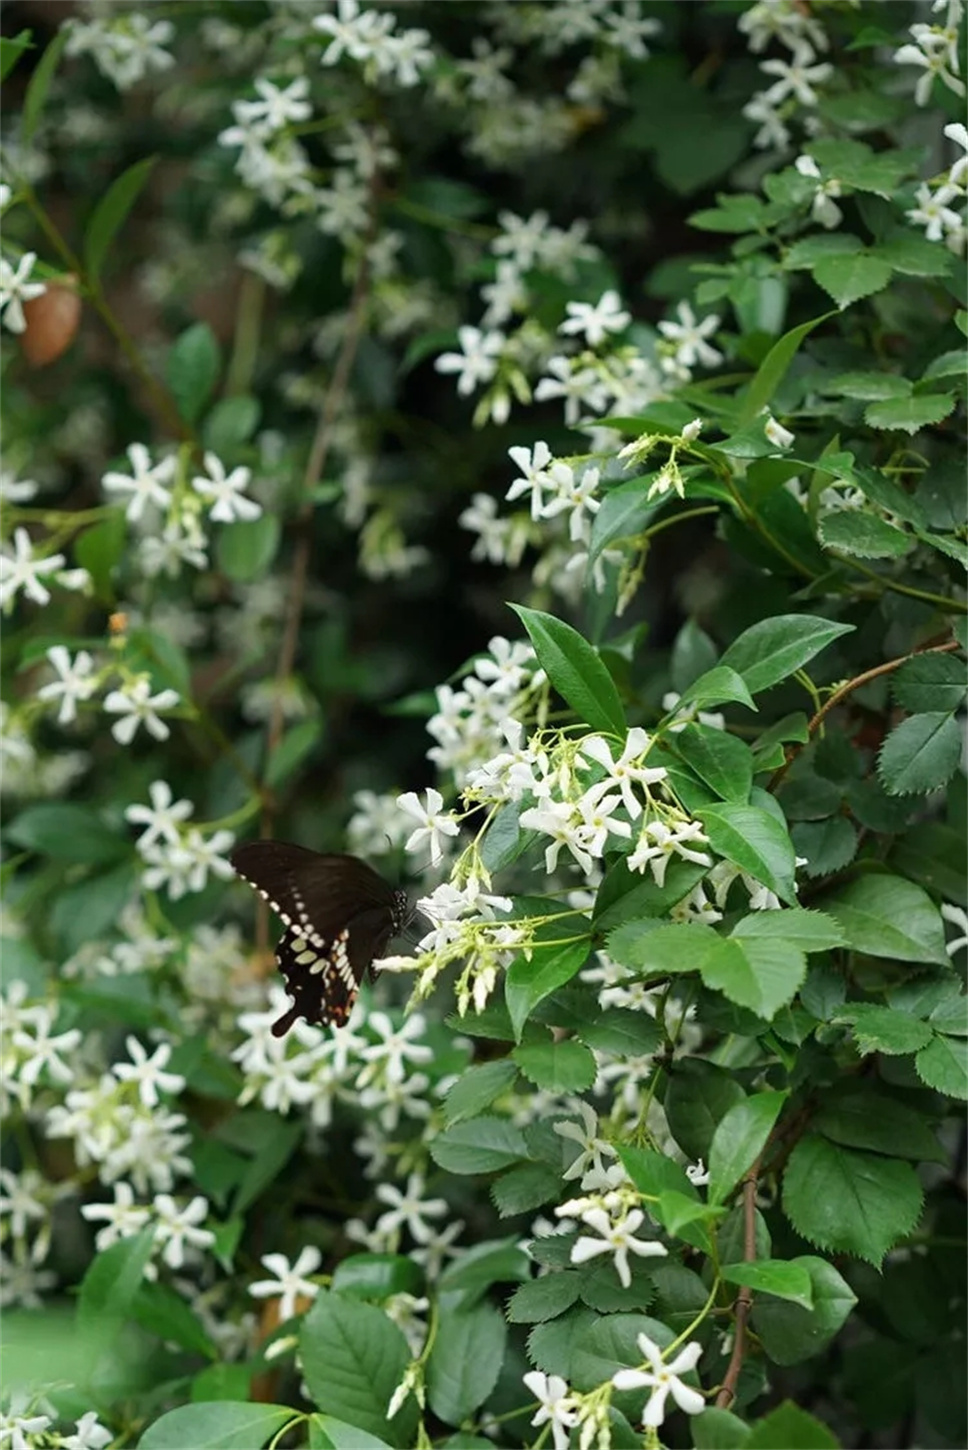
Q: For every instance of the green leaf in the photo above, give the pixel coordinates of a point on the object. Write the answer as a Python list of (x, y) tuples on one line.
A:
[(525, 1188), (38, 86), (910, 415), (943, 1065), (11, 49), (165, 1314), (558, 1067), (231, 422), (292, 751), (495, 1261), (756, 842), (769, 376), (353, 1357), (792, 1428), (526, 983), (246, 549), (698, 1096), (621, 1031), (920, 754), (754, 972), (718, 686), (774, 649), (327, 1433), (221, 1382), (808, 931), (855, 532), (194, 363), (722, 761), (110, 214), (930, 681), (826, 846), (655, 950), (271, 1156), (609, 1344), (740, 1139), (884, 1029), (886, 916), (217, 1425), (624, 513), (377, 1276), (480, 1145), (860, 1115), (99, 550), (848, 278), (545, 1298), (575, 670), (465, 1360), (719, 1430), (477, 1088), (66, 833), (784, 1278), (653, 1173), (847, 1201), (933, 855), (793, 1333), (109, 1289)]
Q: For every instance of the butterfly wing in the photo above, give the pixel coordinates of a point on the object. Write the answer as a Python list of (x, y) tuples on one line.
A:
[(338, 914)]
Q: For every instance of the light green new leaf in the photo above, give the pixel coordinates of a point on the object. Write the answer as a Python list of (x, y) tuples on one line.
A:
[(718, 686), (785, 1278), (887, 916), (884, 1029), (739, 1140), (909, 415), (575, 670), (773, 649), (558, 1067), (920, 754), (848, 278), (849, 1201), (755, 972)]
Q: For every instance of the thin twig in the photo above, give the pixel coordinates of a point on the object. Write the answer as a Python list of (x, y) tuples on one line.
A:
[(847, 689), (744, 1299)]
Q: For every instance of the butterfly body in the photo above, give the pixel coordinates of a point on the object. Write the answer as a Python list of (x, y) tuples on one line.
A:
[(338, 914)]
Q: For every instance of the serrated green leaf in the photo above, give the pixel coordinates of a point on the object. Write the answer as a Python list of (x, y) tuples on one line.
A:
[(824, 846), (480, 1145), (930, 681), (377, 1276), (544, 1298), (910, 415), (849, 1201), (756, 842), (920, 754), (719, 1430), (575, 670), (558, 1067), (886, 916), (807, 930), (849, 277), (884, 1029), (352, 1358), (773, 649), (465, 1360), (760, 974), (110, 213), (739, 1140), (943, 1065), (525, 1188), (477, 1088), (855, 532)]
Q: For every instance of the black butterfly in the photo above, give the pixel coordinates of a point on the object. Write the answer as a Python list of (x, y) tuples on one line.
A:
[(338, 913)]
